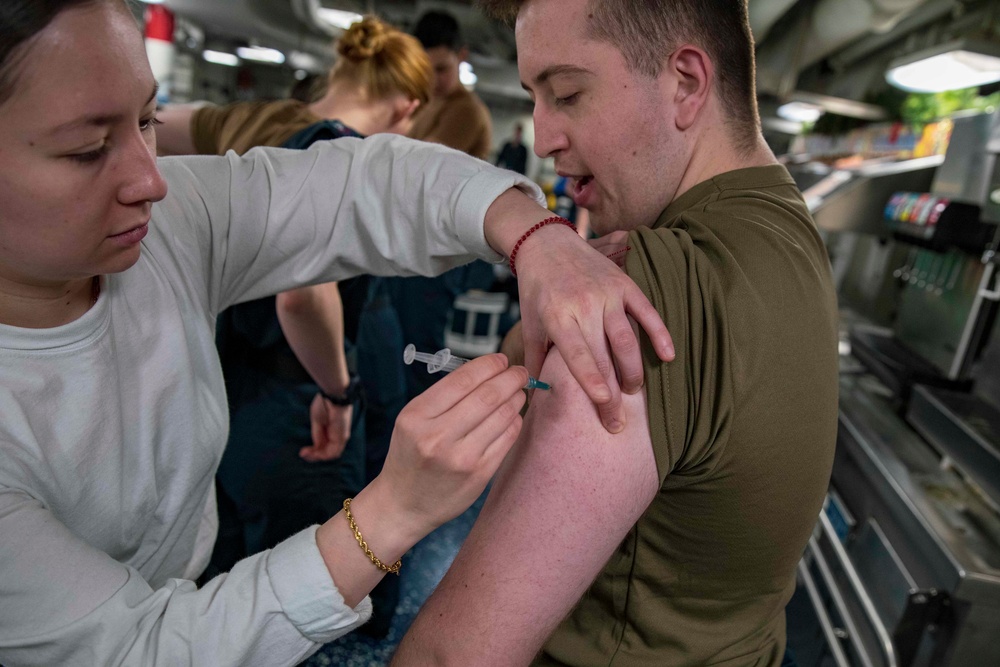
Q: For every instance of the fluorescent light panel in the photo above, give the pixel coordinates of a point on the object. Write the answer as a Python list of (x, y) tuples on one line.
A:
[(261, 54), (220, 58), (839, 105), (954, 66), (303, 60), (800, 112), (338, 18)]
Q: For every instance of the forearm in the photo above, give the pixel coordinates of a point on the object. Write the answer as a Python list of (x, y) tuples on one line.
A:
[(312, 319), (388, 531), (511, 215)]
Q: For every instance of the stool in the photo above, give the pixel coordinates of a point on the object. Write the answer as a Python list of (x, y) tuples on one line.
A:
[(475, 304)]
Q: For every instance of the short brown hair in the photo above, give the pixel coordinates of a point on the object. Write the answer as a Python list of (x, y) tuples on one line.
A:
[(383, 60), (647, 32)]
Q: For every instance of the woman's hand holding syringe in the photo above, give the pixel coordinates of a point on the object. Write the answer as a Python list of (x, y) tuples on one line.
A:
[(443, 361)]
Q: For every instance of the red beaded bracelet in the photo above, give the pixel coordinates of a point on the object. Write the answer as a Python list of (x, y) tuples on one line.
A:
[(547, 221)]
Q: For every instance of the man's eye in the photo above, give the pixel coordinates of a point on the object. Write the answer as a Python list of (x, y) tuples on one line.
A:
[(567, 100)]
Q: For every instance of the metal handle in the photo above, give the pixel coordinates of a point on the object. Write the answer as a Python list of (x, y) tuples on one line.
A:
[(984, 291), (885, 639), (824, 618), (838, 601)]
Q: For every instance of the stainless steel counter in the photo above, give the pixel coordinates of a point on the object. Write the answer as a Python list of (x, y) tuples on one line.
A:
[(904, 566)]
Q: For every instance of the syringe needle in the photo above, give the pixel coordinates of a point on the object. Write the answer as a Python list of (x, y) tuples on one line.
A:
[(537, 384)]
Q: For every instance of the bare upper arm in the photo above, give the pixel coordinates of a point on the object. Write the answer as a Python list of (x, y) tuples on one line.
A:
[(174, 135), (566, 497)]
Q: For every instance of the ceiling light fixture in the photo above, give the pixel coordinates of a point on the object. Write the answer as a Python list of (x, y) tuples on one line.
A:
[(261, 54), (306, 61), (466, 75), (338, 18), (220, 58), (839, 105), (951, 66), (800, 112)]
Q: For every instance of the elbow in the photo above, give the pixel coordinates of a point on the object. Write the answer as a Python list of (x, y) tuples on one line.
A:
[(296, 301)]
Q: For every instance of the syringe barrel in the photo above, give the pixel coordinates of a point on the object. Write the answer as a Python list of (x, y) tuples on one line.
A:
[(453, 363), (444, 362), (439, 361)]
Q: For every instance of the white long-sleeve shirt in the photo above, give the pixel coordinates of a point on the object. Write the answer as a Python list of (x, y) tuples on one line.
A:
[(112, 426)]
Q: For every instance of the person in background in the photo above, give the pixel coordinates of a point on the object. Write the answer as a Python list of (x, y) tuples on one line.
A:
[(113, 268), (514, 155), (673, 543), (309, 88), (297, 358), (455, 116)]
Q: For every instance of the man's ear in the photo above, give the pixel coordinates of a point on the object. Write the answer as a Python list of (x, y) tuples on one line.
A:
[(695, 74)]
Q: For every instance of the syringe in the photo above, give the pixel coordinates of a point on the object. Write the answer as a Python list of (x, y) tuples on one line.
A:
[(444, 361)]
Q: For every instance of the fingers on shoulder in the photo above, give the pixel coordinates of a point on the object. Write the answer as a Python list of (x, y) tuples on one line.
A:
[(568, 398)]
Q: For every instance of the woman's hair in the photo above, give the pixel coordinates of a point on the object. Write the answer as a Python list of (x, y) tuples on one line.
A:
[(383, 60), (20, 21)]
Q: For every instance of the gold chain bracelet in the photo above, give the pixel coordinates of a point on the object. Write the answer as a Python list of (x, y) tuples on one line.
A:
[(394, 568)]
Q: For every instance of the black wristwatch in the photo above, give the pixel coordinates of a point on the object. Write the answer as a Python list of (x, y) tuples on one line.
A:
[(351, 394)]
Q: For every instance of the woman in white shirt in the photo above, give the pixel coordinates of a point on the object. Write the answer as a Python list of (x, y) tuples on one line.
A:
[(112, 407)]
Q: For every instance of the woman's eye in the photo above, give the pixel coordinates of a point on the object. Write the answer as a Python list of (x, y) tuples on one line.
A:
[(150, 123), (90, 156)]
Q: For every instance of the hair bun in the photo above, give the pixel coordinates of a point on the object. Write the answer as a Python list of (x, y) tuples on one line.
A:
[(363, 40)]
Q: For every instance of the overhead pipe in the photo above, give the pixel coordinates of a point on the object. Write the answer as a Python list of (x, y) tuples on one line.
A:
[(307, 11), (833, 24), (764, 14), (927, 14)]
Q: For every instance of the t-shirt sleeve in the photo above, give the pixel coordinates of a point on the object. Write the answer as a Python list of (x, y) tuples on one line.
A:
[(206, 127), (689, 400), (463, 126)]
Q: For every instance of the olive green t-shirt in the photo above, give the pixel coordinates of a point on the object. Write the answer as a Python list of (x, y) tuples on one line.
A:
[(244, 125), (743, 424)]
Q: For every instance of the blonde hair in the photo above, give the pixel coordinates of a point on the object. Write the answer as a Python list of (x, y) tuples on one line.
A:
[(383, 60)]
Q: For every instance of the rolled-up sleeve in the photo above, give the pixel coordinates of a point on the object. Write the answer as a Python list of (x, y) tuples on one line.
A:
[(307, 593)]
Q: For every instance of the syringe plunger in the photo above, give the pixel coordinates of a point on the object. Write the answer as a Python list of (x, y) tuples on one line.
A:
[(442, 360)]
